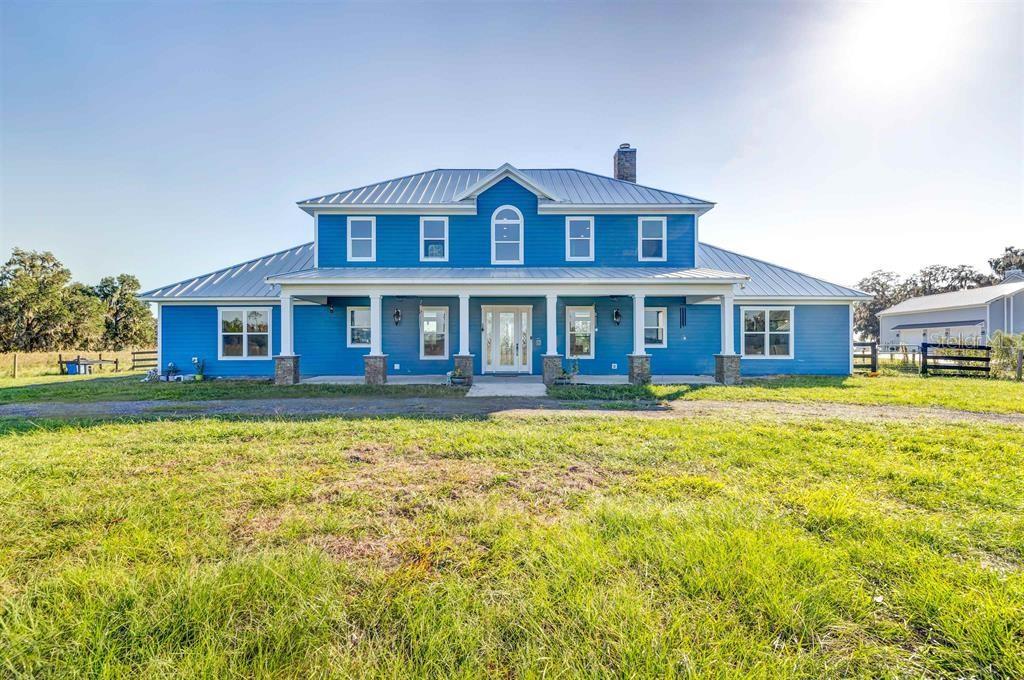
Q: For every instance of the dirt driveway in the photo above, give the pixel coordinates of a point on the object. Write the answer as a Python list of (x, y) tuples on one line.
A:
[(475, 408)]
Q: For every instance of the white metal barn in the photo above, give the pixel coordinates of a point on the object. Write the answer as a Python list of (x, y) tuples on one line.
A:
[(964, 315)]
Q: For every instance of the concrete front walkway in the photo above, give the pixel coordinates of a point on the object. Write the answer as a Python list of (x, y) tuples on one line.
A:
[(514, 386)]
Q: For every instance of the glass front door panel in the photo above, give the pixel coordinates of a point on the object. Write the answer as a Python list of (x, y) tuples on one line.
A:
[(507, 340)]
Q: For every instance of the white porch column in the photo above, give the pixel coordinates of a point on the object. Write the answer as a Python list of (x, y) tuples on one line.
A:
[(728, 345), (375, 326), (638, 324), (552, 324), (464, 324), (287, 345)]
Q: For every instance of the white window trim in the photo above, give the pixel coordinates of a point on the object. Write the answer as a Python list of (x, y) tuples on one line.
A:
[(766, 355), (245, 344), (664, 328), (568, 240), (447, 339), (348, 327), (424, 258), (522, 236), (640, 238), (568, 328), (373, 238)]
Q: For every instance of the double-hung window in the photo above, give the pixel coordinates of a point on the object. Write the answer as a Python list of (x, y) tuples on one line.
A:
[(652, 239), (362, 239), (579, 239), (580, 329), (433, 332), (358, 326), (768, 332), (507, 235), (655, 326), (433, 239), (244, 333)]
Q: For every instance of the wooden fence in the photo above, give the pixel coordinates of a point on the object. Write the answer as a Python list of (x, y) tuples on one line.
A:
[(144, 360), (948, 358), (866, 353)]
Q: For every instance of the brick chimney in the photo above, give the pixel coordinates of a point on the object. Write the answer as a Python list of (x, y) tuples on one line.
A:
[(625, 163)]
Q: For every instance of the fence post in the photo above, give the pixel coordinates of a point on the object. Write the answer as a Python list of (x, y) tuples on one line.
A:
[(924, 358), (874, 357), (15, 365), (1020, 364)]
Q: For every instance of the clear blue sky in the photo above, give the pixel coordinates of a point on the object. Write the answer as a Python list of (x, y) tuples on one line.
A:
[(170, 139)]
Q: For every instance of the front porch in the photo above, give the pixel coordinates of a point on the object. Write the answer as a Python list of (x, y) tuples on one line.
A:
[(665, 332)]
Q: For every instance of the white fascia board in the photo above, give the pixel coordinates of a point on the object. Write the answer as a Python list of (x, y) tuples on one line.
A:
[(469, 208), (224, 301), (504, 282), (757, 299), (621, 209), (506, 170)]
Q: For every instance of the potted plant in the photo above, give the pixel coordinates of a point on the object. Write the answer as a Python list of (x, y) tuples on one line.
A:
[(200, 366), (569, 377), (457, 377)]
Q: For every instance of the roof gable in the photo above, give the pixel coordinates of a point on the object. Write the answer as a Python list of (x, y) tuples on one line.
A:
[(506, 170)]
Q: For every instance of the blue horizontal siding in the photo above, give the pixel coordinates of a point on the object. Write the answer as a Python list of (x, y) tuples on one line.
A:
[(821, 344), (470, 237), (821, 341), (191, 331)]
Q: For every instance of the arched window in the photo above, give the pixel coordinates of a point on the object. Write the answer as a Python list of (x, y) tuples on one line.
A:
[(507, 236)]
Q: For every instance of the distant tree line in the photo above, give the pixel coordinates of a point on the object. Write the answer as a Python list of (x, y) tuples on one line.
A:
[(890, 289), (42, 309)]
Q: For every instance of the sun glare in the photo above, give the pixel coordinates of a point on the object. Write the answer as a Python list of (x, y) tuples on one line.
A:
[(900, 45)]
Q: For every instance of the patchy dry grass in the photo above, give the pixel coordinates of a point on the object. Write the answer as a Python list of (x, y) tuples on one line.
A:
[(556, 546)]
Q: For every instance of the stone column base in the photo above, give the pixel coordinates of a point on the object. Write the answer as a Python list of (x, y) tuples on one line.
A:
[(286, 370), (464, 365), (639, 369), (727, 369), (552, 368), (375, 369)]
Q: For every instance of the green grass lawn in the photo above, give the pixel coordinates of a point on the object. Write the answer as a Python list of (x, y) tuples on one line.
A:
[(511, 547), (967, 394), (131, 388)]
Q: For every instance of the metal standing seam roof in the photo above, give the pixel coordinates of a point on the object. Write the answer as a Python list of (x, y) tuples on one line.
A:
[(441, 186), (971, 297), (245, 280), (507, 275), (248, 279), (771, 280)]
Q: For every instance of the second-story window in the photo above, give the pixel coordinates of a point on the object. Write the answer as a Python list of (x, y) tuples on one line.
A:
[(652, 237), (433, 239), (507, 236), (362, 239), (579, 239)]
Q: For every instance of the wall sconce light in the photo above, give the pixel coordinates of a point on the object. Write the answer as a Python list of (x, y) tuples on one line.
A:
[(330, 309), (617, 316), (397, 316)]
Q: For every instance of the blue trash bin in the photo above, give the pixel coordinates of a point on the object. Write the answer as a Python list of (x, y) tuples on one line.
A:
[(72, 368)]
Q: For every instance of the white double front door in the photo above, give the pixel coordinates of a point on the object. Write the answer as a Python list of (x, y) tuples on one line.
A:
[(507, 338)]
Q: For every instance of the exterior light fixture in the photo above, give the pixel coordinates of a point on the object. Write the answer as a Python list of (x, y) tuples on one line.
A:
[(397, 316), (617, 316)]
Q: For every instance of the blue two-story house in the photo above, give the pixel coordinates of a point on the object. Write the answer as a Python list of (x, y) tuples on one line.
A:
[(506, 271)]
